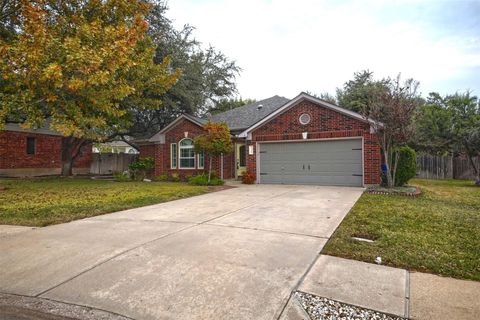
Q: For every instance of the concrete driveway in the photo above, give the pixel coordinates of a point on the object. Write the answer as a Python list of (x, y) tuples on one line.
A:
[(237, 253)]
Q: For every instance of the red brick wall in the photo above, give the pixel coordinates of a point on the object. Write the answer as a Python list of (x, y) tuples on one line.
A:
[(85, 159), (147, 150), (324, 123), (161, 153), (13, 151)]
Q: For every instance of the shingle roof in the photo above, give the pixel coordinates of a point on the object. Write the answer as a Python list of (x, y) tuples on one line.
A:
[(197, 119), (246, 116)]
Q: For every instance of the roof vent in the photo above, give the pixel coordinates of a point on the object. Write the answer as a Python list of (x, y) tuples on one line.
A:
[(259, 107)]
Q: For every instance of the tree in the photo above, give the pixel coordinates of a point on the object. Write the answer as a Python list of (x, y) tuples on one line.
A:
[(82, 64), (356, 94), (9, 17), (465, 130), (392, 105), (325, 96), (208, 76), (229, 104), (432, 126), (451, 124), (214, 142)]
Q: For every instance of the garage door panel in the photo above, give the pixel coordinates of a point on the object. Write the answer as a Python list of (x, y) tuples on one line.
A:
[(326, 180), (329, 162)]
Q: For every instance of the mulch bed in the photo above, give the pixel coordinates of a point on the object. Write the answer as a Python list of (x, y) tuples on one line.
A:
[(219, 188)]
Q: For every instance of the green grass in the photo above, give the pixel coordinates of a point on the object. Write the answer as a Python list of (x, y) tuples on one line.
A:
[(438, 232), (41, 202)]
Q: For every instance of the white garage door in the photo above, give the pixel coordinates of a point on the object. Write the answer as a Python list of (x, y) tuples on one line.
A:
[(329, 162)]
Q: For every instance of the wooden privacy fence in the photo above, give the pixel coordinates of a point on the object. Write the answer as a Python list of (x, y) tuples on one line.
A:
[(108, 163), (444, 167)]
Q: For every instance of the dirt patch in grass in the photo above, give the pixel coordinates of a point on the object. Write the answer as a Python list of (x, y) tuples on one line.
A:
[(437, 232), (41, 202)]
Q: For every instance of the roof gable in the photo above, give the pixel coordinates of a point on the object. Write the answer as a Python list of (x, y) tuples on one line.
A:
[(304, 96), (160, 136), (243, 117)]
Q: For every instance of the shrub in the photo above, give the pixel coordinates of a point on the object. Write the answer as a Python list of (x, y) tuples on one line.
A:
[(213, 174), (217, 182), (248, 178), (163, 177), (122, 177), (141, 167), (174, 177), (407, 166), (202, 180)]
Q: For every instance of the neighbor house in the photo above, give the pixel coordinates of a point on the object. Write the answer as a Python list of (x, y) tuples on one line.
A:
[(35, 152), (116, 146), (304, 140)]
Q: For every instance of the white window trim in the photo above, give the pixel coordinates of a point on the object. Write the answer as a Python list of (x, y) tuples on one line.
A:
[(198, 160), (173, 165), (179, 152)]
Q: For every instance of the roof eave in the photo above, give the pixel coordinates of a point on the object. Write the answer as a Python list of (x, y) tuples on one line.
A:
[(303, 95)]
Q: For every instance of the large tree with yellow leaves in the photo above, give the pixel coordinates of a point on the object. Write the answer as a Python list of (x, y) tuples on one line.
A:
[(82, 65)]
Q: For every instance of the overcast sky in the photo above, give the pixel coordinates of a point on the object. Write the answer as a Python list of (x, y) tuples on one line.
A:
[(288, 46)]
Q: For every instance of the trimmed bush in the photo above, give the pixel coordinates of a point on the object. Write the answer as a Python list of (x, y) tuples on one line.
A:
[(216, 182), (248, 178), (407, 166), (202, 180)]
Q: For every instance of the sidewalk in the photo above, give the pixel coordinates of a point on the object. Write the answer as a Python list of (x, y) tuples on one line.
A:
[(395, 292)]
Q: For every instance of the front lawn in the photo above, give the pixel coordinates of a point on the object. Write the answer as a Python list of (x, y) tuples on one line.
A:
[(41, 202), (438, 232)]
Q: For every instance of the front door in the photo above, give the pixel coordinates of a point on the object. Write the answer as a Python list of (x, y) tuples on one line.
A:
[(241, 159)]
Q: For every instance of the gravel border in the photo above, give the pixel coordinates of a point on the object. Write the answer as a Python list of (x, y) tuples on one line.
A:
[(382, 191), (319, 308)]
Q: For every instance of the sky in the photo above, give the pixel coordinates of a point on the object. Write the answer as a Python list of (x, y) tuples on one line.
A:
[(288, 46)]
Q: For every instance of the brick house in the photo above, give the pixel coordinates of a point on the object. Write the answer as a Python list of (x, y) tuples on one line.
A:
[(35, 152), (304, 140)]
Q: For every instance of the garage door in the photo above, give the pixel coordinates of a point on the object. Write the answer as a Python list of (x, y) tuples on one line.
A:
[(333, 162)]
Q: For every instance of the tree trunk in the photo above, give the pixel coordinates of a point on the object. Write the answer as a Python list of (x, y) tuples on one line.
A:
[(67, 164), (209, 168), (72, 148), (396, 156), (386, 155), (476, 171)]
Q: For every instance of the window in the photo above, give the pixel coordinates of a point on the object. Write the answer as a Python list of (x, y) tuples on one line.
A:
[(187, 154), (30, 145), (173, 156), (201, 160), (304, 119), (242, 156)]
